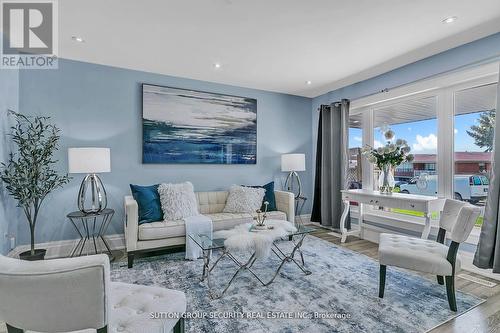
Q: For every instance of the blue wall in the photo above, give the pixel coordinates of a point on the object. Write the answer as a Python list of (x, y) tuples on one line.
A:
[(474, 52), (9, 99), (101, 106)]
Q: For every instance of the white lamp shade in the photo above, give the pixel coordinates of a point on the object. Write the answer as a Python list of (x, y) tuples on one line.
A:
[(293, 162), (89, 160)]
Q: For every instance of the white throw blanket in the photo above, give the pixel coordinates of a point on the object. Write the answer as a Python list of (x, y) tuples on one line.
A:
[(197, 224), (240, 238)]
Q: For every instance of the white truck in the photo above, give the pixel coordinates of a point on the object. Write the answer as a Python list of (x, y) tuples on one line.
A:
[(472, 188)]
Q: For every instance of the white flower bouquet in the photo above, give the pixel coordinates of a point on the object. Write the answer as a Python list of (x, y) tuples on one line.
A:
[(388, 157)]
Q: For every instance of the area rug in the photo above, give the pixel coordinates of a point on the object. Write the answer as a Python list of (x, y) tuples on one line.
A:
[(341, 294)]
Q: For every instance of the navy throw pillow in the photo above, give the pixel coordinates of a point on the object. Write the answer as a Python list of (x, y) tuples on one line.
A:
[(148, 200), (269, 197)]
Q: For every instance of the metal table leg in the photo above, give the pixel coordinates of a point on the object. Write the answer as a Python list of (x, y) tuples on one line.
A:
[(102, 230), (75, 249), (93, 235), (86, 235), (207, 269)]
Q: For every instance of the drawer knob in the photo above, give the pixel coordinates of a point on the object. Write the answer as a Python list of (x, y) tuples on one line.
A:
[(412, 205)]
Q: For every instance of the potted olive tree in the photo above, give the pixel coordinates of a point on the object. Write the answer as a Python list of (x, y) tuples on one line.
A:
[(29, 174)]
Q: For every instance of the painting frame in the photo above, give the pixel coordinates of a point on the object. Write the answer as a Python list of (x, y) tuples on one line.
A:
[(224, 131)]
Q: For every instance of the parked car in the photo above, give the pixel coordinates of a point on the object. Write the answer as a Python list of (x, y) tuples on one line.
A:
[(399, 183), (472, 188)]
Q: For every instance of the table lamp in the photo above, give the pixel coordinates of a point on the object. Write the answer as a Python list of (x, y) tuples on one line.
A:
[(292, 163), (90, 161)]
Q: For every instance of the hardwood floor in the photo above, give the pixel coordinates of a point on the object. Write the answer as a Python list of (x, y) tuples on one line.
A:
[(485, 318)]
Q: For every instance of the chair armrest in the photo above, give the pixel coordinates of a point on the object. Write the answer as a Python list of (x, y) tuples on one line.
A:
[(53, 291), (285, 202), (131, 223)]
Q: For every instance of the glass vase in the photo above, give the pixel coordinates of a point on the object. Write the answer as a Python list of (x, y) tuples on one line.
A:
[(386, 180)]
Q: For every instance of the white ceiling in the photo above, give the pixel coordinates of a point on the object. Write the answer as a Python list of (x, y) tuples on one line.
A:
[(274, 45)]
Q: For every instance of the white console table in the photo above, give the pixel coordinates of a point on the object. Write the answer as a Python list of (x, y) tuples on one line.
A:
[(420, 203)]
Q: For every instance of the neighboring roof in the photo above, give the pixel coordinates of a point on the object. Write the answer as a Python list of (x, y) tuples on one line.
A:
[(461, 156)]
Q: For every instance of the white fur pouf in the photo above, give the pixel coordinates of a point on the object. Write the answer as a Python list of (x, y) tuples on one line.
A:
[(240, 238)]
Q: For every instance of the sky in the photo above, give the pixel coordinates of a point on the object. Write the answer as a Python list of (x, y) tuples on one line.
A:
[(422, 135)]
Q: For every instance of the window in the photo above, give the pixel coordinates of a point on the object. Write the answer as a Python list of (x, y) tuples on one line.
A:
[(415, 122), (430, 166), (475, 111), (355, 143)]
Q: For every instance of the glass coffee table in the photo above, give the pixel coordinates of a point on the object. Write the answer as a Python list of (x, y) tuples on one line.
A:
[(209, 244)]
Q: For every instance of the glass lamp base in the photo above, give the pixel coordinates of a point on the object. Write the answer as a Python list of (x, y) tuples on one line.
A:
[(92, 195)]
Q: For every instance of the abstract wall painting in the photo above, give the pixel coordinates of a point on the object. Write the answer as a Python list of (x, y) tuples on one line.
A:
[(187, 126)]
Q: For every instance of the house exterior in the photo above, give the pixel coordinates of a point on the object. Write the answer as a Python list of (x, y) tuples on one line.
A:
[(465, 163)]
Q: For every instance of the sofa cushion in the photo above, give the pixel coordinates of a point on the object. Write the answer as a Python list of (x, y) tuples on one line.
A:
[(211, 202), (221, 221), (161, 230), (148, 201)]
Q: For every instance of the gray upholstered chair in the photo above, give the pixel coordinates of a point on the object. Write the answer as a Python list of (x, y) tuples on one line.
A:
[(65, 295), (434, 257)]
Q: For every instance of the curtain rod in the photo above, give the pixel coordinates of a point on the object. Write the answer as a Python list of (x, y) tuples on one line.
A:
[(386, 90), (334, 103)]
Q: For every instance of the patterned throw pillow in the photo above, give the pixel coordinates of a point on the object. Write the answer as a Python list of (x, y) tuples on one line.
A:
[(177, 201), (242, 199)]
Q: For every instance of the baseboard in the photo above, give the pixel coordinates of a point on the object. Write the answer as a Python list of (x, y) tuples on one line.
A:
[(62, 249), (304, 217)]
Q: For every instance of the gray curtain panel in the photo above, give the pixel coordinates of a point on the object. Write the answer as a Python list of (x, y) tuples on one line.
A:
[(333, 149), (488, 250)]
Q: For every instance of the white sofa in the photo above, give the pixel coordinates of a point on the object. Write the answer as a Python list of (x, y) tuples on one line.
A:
[(76, 294), (164, 234)]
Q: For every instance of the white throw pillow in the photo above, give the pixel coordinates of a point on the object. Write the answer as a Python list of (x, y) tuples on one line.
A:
[(177, 201), (242, 199)]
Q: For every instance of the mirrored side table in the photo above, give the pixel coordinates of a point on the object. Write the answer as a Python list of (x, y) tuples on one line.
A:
[(91, 228)]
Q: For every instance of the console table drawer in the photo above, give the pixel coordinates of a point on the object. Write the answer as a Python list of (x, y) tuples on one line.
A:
[(386, 201), (411, 205)]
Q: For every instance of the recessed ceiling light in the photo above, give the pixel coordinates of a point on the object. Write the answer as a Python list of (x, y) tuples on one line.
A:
[(308, 83), (78, 39), (450, 19), (217, 65)]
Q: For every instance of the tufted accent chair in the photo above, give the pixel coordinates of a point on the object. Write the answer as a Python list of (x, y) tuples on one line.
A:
[(76, 294), (435, 257)]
